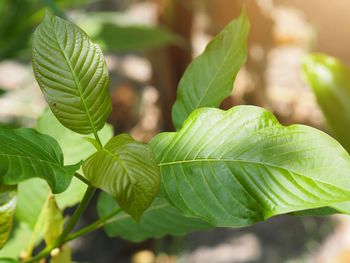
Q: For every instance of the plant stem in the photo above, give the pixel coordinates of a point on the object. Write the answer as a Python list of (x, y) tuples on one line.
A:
[(69, 227), (94, 226), (82, 178), (98, 139), (77, 214), (46, 251)]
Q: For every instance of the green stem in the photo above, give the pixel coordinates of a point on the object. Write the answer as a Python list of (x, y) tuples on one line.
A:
[(94, 226), (63, 238), (77, 214), (82, 178), (45, 252), (98, 139), (69, 227)]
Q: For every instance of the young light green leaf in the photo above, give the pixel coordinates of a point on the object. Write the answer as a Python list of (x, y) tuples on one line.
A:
[(125, 169), (53, 221), (8, 198), (25, 153), (72, 74), (209, 78), (237, 167), (159, 219), (330, 82)]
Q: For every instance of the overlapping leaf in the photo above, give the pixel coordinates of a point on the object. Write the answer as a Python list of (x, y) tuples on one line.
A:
[(8, 200), (25, 154), (72, 74), (74, 149), (125, 169), (159, 219), (237, 167), (209, 78)]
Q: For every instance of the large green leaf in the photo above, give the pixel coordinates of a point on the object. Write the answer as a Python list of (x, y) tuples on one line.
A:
[(25, 153), (8, 200), (125, 169), (72, 74), (330, 82), (237, 167), (209, 78), (74, 148), (159, 219)]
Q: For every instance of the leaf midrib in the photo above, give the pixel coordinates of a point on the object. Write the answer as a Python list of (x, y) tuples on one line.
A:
[(116, 157), (77, 83), (247, 161)]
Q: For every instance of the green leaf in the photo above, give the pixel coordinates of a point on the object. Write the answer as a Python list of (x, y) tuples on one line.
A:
[(25, 154), (125, 169), (209, 78), (72, 74), (241, 166), (53, 221), (322, 211), (330, 82), (74, 148), (8, 200), (159, 219)]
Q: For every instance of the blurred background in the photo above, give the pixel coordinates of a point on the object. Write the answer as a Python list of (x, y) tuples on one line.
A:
[(148, 45)]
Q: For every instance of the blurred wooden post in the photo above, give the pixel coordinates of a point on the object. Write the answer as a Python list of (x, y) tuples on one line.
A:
[(169, 63)]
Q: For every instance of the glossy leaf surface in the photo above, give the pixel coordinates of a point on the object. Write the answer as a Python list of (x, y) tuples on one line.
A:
[(209, 78), (125, 169), (25, 153), (8, 200), (330, 81), (237, 167), (159, 219), (72, 74)]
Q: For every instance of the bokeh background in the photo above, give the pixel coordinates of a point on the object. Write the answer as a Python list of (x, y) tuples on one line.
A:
[(148, 45)]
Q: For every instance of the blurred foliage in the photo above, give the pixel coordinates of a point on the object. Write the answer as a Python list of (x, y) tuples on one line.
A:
[(18, 20), (329, 79), (20, 17), (134, 37), (116, 32)]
